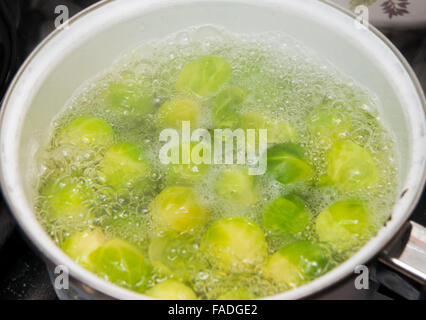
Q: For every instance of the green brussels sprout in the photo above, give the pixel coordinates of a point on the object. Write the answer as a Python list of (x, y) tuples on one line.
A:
[(287, 215), (351, 167), (343, 224), (287, 164), (127, 98), (227, 101), (122, 263), (237, 186), (295, 263), (234, 244), (86, 132), (204, 75), (329, 124), (237, 294), (281, 271), (175, 255), (80, 245), (123, 166), (66, 198), (186, 173), (278, 131), (177, 209), (172, 113), (229, 121), (171, 290)]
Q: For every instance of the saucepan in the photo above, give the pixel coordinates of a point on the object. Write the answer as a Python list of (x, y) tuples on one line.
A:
[(93, 39)]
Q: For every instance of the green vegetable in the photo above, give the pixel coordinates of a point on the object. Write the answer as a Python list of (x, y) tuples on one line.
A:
[(296, 263), (176, 255), (287, 215), (66, 198), (122, 263), (204, 75), (287, 164), (127, 98), (171, 290), (80, 245), (278, 131), (227, 101), (351, 167), (343, 223), (329, 124), (123, 166), (230, 122), (177, 209), (86, 132), (237, 186), (172, 113), (234, 244)]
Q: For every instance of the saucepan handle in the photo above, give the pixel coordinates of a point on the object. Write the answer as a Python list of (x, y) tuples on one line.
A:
[(407, 252)]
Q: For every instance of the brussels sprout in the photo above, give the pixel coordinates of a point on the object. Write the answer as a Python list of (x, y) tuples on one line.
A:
[(287, 215), (186, 173), (329, 124), (230, 121), (176, 255), (287, 164), (295, 263), (204, 75), (234, 244), (237, 186), (81, 244), (237, 294), (227, 101), (278, 131), (171, 290), (177, 209), (65, 198), (86, 132), (172, 113), (123, 166), (351, 167), (126, 98), (343, 223), (281, 271), (122, 263)]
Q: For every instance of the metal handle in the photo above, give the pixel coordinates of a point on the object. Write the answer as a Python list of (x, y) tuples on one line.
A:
[(407, 252)]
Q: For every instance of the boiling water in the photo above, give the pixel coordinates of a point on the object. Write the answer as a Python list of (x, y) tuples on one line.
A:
[(284, 80)]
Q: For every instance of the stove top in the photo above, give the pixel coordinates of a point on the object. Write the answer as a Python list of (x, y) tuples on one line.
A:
[(23, 274)]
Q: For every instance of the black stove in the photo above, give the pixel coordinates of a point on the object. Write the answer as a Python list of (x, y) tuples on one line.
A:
[(23, 24)]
